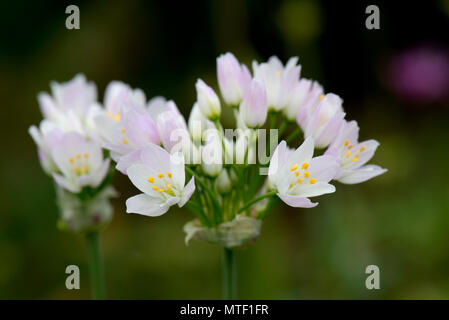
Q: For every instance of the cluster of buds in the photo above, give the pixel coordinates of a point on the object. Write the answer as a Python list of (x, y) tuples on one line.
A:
[(225, 177)]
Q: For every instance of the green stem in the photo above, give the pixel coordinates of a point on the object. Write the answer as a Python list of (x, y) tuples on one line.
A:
[(249, 203), (229, 275), (95, 266), (293, 135)]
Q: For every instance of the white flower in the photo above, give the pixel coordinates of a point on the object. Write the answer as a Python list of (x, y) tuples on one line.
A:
[(279, 81), (353, 155), (124, 124), (198, 123), (208, 100), (68, 106), (161, 178), (295, 176), (325, 120), (80, 162), (212, 154), (233, 78), (253, 108)]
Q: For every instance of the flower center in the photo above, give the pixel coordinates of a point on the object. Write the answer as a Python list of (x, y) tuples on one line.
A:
[(80, 164), (349, 154), (162, 183), (300, 175)]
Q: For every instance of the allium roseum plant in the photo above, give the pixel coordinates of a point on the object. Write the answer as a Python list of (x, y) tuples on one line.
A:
[(229, 179)]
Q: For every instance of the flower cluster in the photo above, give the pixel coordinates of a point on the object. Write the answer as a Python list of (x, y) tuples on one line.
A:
[(152, 143)]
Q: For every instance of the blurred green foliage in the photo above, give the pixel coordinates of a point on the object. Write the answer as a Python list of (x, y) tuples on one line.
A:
[(398, 221)]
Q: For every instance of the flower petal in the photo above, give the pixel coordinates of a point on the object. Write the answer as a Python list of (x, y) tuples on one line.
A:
[(324, 168), (296, 201), (361, 174), (313, 190), (138, 174), (187, 192), (146, 205)]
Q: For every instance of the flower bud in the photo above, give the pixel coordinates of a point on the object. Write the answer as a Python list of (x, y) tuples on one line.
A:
[(198, 123), (212, 155), (233, 78), (208, 101), (254, 105), (326, 120), (223, 182)]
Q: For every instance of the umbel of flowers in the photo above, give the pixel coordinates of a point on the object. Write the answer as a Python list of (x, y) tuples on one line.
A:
[(229, 179)]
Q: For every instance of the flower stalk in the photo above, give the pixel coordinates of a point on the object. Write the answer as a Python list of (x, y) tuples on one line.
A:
[(229, 274), (96, 269)]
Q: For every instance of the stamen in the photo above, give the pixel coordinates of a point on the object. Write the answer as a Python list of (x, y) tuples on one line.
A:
[(86, 156), (348, 154), (150, 179), (294, 167), (160, 175), (305, 165), (169, 174), (296, 173), (161, 190), (78, 156), (346, 142), (124, 141), (299, 180), (355, 159), (350, 146), (117, 117), (321, 97), (155, 188), (168, 186), (71, 160), (312, 181), (278, 73), (306, 174), (362, 148), (123, 131)]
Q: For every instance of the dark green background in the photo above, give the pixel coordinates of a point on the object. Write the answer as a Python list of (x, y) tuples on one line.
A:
[(399, 221)]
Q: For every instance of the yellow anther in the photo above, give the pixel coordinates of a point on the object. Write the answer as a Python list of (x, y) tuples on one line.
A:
[(161, 190), (294, 167), (109, 115), (75, 168), (86, 156), (350, 146), (117, 117), (150, 179), (296, 173), (348, 154), (124, 141), (155, 188), (168, 186), (362, 148), (305, 165), (123, 131), (355, 159), (278, 73), (346, 142), (78, 156), (71, 160), (321, 97), (299, 180), (160, 175), (169, 174), (84, 170), (312, 181), (306, 174)]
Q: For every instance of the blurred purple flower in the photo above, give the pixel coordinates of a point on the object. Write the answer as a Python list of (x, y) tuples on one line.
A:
[(421, 74)]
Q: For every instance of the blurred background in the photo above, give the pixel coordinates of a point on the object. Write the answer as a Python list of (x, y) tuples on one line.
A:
[(394, 82)]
